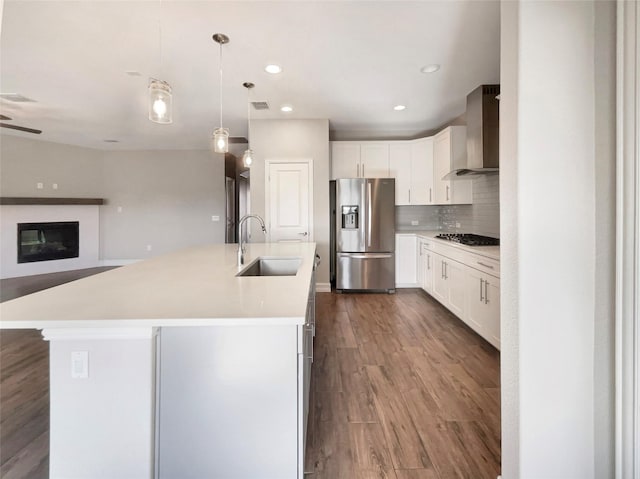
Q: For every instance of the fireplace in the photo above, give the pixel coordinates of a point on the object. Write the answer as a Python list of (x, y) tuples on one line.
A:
[(48, 241)]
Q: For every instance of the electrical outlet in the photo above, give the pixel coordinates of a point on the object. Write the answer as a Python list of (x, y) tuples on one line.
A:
[(415, 222), (457, 224), (119, 209), (39, 185), (80, 364), (215, 218), (149, 247), (54, 186)]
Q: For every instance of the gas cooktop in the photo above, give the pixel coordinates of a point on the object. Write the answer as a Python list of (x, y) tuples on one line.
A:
[(469, 239)]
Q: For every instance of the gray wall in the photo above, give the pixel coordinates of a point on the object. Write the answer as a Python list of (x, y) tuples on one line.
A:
[(167, 197), (291, 140), (167, 200)]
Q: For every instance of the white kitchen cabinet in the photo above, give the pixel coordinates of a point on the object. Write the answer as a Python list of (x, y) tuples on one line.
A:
[(406, 261), (422, 171), (374, 159), (425, 266), (359, 159), (483, 305), (400, 169), (411, 164), (449, 153), (345, 159), (449, 284)]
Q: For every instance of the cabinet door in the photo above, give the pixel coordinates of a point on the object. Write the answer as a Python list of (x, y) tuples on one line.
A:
[(400, 169), (440, 286), (455, 275), (442, 166), (406, 258), (492, 306), (428, 271), (483, 305), (422, 172), (374, 160), (345, 159)]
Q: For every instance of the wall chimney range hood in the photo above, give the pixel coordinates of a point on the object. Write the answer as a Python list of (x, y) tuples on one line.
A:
[(483, 115)]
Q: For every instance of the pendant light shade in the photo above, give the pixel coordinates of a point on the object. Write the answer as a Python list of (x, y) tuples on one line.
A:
[(247, 158), (160, 101), (221, 140), (221, 135)]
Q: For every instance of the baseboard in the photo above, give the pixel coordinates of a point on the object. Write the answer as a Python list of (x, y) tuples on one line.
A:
[(117, 262), (407, 285), (323, 287)]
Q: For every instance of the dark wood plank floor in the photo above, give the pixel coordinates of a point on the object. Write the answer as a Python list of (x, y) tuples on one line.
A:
[(401, 389)]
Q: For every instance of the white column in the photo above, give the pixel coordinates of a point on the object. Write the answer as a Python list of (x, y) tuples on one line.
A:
[(102, 425)]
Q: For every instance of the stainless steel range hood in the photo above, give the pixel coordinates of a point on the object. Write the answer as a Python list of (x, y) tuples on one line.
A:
[(483, 115)]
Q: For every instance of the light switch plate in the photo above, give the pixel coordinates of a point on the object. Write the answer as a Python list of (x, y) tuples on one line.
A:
[(215, 218), (415, 222), (80, 364)]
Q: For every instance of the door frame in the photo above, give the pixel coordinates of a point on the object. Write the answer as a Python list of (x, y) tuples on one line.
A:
[(627, 347), (267, 197)]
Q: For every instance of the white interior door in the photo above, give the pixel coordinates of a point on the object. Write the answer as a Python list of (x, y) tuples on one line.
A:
[(289, 200)]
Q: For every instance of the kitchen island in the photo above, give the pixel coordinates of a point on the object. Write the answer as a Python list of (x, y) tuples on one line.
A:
[(176, 367)]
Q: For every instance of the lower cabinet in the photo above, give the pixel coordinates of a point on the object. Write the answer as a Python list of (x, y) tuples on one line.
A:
[(483, 305), (469, 293), (449, 284), (406, 264)]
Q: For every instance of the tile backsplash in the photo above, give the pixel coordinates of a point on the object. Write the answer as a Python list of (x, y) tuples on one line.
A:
[(482, 217)]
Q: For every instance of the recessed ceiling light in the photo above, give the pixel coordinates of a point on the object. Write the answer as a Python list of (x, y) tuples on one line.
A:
[(399, 107), (286, 108), (273, 68), (434, 67), (133, 73), (111, 141)]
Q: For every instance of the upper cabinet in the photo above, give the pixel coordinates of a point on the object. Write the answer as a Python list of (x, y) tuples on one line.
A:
[(417, 165), (411, 164), (359, 159), (449, 153)]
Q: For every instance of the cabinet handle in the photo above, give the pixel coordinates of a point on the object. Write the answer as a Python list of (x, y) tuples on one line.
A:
[(442, 270), (409, 195), (363, 171), (486, 292), (444, 263), (485, 265), (358, 170), (430, 200), (481, 298), (428, 261), (447, 192)]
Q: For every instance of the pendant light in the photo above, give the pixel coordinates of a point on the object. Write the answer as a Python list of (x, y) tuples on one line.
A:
[(247, 158), (221, 135), (160, 97)]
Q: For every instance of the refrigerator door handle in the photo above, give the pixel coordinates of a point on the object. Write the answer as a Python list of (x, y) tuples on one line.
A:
[(369, 213), (366, 256)]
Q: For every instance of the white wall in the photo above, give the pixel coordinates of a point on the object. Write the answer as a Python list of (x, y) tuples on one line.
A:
[(550, 153), (289, 140), (167, 200), (167, 197)]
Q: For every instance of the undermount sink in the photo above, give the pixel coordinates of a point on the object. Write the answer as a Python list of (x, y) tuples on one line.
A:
[(263, 266)]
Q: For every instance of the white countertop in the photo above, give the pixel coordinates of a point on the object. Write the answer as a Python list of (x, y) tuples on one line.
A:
[(192, 287), (492, 252)]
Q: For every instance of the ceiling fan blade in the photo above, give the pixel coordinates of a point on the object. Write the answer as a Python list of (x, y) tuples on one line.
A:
[(3, 117), (21, 128)]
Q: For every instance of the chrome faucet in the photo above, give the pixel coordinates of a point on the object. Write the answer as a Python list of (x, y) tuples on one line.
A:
[(241, 247)]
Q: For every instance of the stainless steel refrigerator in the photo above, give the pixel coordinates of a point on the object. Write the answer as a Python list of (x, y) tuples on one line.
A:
[(365, 234)]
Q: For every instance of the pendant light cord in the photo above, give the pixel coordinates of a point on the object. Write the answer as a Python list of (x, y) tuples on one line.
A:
[(220, 84), (249, 118)]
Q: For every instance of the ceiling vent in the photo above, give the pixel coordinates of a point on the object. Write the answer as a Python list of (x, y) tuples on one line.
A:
[(15, 97), (260, 105)]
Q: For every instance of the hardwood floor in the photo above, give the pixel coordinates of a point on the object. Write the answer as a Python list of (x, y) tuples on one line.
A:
[(401, 389)]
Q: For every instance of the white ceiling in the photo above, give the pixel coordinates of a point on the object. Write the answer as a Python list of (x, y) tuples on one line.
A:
[(347, 61)]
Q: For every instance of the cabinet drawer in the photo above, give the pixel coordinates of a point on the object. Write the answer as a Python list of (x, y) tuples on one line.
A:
[(484, 264)]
